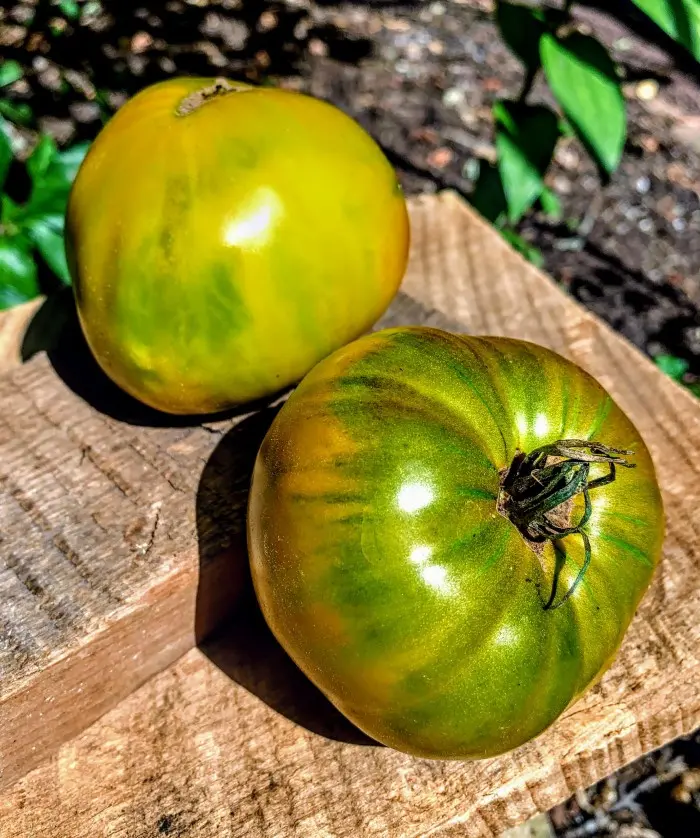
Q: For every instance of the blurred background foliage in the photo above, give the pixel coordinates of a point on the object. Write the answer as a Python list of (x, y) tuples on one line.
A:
[(72, 63)]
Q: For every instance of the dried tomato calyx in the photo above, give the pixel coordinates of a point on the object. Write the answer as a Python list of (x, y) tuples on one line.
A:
[(538, 489)]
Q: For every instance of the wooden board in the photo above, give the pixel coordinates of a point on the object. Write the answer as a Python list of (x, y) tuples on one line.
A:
[(123, 542)]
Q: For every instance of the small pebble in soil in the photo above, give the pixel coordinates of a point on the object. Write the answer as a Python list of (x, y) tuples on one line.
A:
[(562, 185), (647, 90), (84, 111), (643, 185), (22, 14), (453, 97), (267, 21), (440, 157), (318, 48), (141, 42), (397, 25), (414, 52), (623, 44), (471, 169)]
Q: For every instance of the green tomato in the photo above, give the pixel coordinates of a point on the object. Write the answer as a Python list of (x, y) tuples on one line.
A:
[(223, 238), (451, 595)]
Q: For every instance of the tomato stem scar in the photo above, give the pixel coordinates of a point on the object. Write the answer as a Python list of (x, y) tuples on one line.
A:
[(220, 87), (534, 488)]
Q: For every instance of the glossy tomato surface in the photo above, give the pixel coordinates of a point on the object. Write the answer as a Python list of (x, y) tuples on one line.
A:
[(224, 238), (382, 562)]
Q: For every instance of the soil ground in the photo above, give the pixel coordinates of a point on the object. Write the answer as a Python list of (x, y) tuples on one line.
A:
[(422, 77)]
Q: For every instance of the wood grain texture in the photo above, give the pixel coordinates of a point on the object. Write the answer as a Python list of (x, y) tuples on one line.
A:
[(119, 541), (109, 527)]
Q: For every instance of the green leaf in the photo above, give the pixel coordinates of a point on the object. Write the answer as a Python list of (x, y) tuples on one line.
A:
[(47, 234), (10, 72), (68, 161), (51, 182), (529, 251), (43, 201), (583, 79), (8, 209), (678, 18), (550, 203), (40, 159), (488, 197), (18, 276), (18, 112), (672, 366), (521, 28), (5, 154), (522, 184), (504, 114), (525, 139), (70, 9)]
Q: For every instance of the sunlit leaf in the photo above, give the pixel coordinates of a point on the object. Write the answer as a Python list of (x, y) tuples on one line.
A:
[(47, 235), (526, 136), (68, 162), (18, 274), (582, 77), (672, 366), (5, 153), (41, 157), (678, 18), (10, 72), (18, 112), (529, 251), (70, 9), (550, 203)]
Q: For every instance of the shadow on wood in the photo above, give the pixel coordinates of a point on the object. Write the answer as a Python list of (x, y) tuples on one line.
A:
[(55, 328), (229, 626)]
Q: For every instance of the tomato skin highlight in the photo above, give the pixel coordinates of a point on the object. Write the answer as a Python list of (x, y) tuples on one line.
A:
[(383, 565), (217, 255)]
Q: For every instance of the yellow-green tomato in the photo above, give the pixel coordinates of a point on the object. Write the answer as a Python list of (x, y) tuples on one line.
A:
[(447, 537), (224, 238)]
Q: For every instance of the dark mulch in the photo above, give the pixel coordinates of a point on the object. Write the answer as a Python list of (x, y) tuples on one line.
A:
[(422, 77)]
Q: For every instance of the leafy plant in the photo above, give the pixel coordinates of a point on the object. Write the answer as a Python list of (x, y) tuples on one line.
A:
[(31, 231), (19, 112), (69, 8), (677, 368), (585, 84), (678, 18)]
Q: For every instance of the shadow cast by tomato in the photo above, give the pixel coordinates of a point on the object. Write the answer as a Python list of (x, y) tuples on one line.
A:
[(56, 330), (229, 626)]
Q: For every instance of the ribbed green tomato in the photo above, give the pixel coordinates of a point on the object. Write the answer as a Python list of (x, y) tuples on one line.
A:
[(385, 552), (224, 238)]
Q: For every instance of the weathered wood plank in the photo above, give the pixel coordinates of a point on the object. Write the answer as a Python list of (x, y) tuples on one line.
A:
[(118, 519), (102, 583)]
